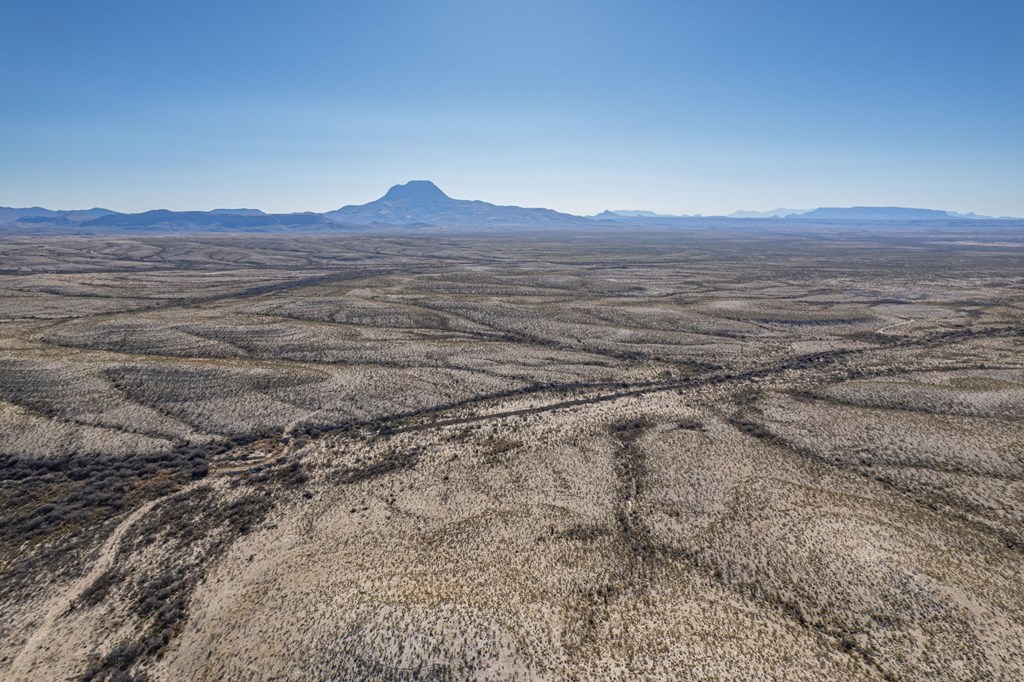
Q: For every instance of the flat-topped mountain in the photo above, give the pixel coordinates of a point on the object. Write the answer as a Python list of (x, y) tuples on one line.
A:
[(239, 211), (416, 191), (421, 201), (877, 213)]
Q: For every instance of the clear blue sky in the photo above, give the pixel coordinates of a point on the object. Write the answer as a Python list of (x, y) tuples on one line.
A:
[(580, 106)]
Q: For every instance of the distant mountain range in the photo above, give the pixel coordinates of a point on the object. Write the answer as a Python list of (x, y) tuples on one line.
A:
[(45, 215), (629, 215), (421, 204), (219, 219), (774, 213)]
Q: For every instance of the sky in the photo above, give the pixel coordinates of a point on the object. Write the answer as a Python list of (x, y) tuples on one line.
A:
[(675, 106)]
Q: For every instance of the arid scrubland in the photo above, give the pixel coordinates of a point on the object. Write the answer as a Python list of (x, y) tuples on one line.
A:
[(659, 456)]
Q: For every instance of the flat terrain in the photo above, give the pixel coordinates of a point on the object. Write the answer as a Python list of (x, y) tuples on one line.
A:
[(690, 455)]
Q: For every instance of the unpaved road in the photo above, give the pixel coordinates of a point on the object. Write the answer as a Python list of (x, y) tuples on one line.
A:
[(35, 647)]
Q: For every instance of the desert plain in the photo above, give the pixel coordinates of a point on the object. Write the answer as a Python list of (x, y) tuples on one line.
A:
[(688, 454)]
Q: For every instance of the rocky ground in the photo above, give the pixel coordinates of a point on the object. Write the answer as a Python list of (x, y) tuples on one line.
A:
[(669, 456)]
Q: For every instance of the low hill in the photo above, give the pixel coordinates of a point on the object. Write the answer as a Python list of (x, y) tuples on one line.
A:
[(37, 214)]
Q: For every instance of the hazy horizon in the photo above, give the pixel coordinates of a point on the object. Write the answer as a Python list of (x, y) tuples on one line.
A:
[(571, 106), (767, 212)]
